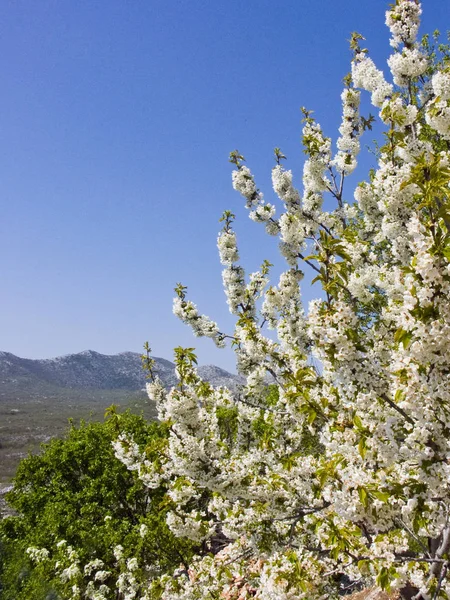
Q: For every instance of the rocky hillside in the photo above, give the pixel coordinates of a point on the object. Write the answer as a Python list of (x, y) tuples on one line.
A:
[(92, 370)]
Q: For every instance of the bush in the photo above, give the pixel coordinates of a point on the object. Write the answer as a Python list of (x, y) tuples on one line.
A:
[(76, 490)]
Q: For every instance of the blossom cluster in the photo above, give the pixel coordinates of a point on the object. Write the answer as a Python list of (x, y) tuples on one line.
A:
[(350, 130), (200, 324), (93, 581)]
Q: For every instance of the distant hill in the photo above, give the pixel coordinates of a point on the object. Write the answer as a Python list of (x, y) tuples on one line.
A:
[(92, 370)]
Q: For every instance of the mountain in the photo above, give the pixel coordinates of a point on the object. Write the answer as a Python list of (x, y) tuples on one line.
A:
[(92, 370)]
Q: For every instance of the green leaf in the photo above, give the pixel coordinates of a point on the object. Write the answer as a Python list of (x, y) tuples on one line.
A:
[(399, 395), (357, 422), (362, 448), (382, 496), (383, 578), (312, 416), (403, 337), (363, 496)]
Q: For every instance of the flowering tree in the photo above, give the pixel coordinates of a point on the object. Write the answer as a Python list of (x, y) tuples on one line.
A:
[(280, 518), (368, 503)]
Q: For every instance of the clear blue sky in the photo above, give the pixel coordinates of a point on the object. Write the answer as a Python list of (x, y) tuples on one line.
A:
[(116, 120)]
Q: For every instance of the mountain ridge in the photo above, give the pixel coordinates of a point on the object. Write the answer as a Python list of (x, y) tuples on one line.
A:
[(92, 370)]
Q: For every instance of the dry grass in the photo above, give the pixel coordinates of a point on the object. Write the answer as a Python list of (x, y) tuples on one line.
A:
[(25, 423)]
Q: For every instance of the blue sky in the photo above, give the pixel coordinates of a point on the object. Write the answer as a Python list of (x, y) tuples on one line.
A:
[(116, 121)]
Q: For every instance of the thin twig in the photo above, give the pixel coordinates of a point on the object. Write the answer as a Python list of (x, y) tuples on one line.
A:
[(414, 536), (441, 579), (398, 409), (247, 403)]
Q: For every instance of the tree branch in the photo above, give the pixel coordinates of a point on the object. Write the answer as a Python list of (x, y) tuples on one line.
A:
[(398, 409)]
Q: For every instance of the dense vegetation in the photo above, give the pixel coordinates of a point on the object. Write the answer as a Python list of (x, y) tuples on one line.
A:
[(76, 490)]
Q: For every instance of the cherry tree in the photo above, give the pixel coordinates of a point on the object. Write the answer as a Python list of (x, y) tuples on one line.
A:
[(280, 517)]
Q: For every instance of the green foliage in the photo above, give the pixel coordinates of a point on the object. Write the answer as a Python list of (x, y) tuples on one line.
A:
[(77, 490), (228, 217), (236, 158), (279, 156), (148, 363)]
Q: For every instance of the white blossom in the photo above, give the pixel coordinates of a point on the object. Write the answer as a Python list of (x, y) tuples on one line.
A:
[(441, 84), (411, 62), (403, 21), (366, 76)]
